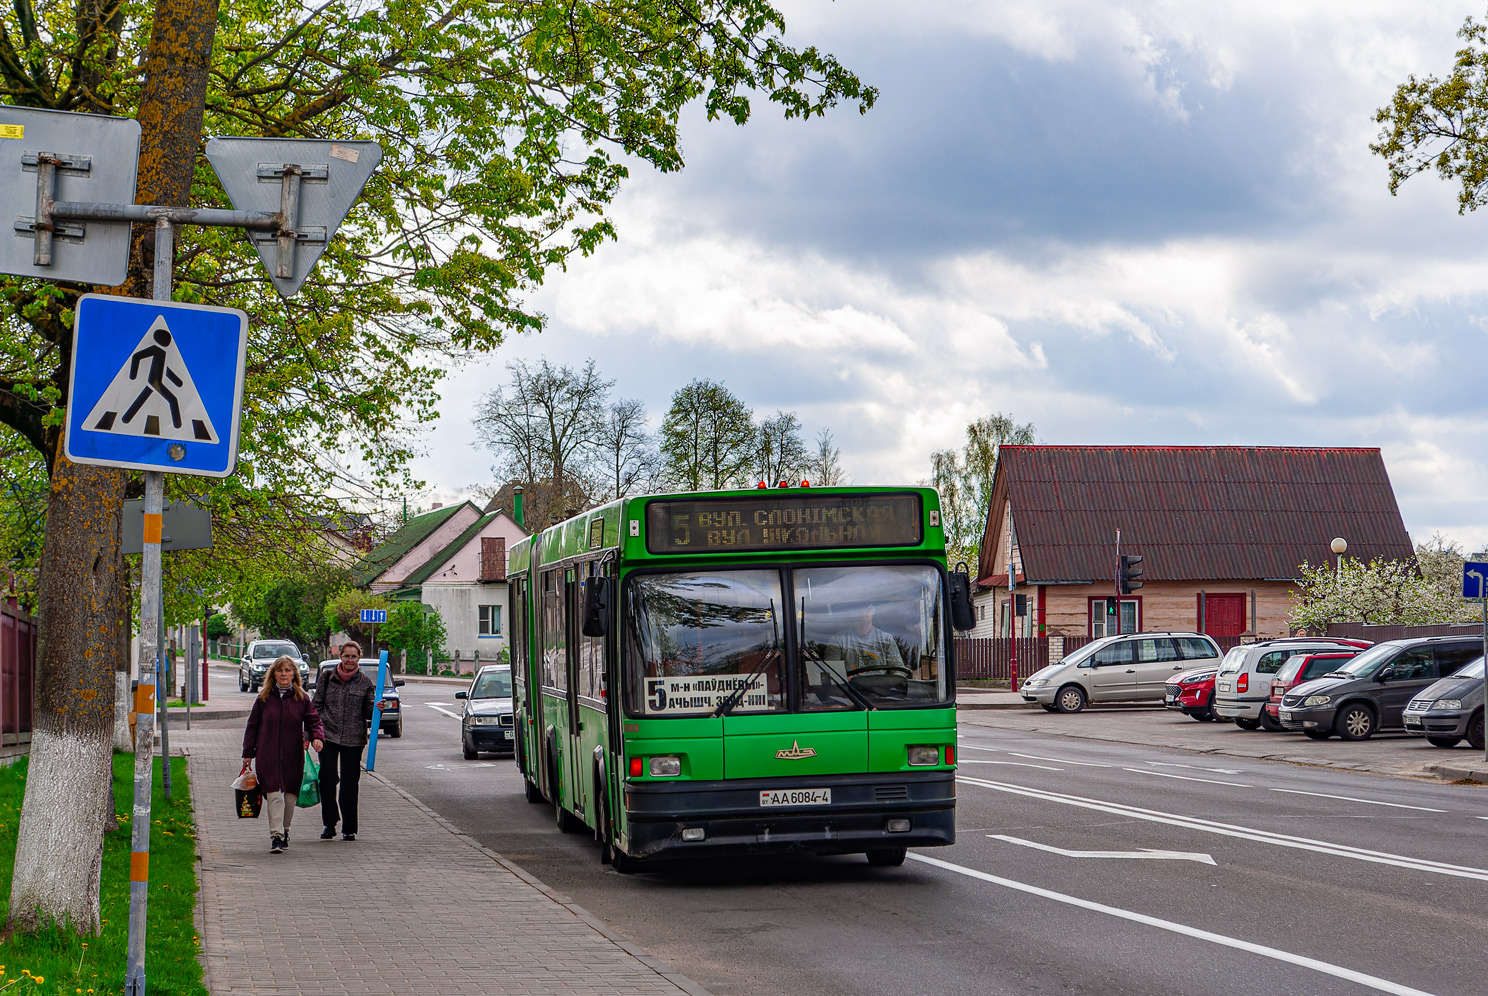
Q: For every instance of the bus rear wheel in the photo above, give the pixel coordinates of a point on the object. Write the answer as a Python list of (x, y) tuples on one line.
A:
[(887, 857)]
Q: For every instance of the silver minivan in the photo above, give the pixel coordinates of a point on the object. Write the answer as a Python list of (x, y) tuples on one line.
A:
[(1243, 686), (1131, 667)]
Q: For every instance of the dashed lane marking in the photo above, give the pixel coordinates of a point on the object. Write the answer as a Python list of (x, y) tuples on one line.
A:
[(1186, 778), (451, 715), (1369, 802)]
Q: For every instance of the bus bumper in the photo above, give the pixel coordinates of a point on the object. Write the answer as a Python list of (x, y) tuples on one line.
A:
[(732, 820)]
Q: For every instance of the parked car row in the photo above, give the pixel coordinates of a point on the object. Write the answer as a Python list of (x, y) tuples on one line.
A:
[(1319, 686)]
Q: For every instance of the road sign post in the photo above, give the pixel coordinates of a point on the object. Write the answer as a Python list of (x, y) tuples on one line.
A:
[(382, 662), (1475, 585)]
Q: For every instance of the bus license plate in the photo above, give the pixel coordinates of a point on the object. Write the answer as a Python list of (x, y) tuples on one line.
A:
[(796, 797)]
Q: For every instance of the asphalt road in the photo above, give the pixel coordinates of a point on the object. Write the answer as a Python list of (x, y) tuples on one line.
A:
[(1080, 867)]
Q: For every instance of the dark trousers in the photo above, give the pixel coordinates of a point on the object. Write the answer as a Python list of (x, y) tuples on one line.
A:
[(342, 765)]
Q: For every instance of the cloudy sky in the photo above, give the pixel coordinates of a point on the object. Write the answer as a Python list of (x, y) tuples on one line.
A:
[(1139, 222)]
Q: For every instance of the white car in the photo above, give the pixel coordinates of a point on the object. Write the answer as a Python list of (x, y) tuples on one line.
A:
[(260, 654)]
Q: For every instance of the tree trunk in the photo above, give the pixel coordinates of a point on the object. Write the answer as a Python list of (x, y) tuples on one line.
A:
[(59, 847)]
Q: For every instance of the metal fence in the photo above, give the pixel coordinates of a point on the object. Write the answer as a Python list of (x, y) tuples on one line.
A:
[(17, 672), (1376, 634)]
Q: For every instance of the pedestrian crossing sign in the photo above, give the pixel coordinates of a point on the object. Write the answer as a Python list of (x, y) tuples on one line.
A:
[(156, 385)]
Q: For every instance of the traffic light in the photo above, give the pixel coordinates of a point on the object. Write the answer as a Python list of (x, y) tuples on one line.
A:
[(1111, 607), (1131, 570)]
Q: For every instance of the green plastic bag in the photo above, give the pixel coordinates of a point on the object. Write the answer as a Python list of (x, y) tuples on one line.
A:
[(310, 784)]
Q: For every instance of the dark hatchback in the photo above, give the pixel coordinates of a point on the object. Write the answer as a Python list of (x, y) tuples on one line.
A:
[(1370, 692)]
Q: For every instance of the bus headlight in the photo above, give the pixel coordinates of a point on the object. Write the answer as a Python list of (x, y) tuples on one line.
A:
[(921, 756), (663, 767)]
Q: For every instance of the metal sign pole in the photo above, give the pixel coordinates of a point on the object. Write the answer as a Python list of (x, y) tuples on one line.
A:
[(151, 600), (377, 709)]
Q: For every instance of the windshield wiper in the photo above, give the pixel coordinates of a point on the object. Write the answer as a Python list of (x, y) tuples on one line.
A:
[(841, 679), (728, 704)]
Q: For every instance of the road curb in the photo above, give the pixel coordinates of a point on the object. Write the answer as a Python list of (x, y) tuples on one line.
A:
[(178, 715), (1457, 772)]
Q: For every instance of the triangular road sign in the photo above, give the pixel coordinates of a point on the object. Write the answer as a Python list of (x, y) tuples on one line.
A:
[(153, 395), (329, 177)]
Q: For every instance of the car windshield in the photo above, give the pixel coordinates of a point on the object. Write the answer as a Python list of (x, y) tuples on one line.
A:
[(1084, 653), (1367, 662), (869, 635), (1473, 669), (273, 650), (492, 685)]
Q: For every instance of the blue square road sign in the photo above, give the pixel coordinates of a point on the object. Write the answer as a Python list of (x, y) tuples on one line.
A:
[(374, 615), (1473, 575), (156, 385)]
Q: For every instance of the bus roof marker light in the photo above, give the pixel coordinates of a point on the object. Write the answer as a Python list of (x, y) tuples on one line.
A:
[(805, 483), (761, 484)]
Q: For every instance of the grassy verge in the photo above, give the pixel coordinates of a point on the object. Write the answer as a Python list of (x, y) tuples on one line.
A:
[(58, 962)]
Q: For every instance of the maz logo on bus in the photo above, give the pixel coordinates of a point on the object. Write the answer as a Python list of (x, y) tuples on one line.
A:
[(795, 752)]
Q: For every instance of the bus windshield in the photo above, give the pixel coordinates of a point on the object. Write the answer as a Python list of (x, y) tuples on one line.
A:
[(865, 637), (696, 637), (869, 633)]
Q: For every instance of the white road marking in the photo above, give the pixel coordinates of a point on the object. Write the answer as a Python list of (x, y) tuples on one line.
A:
[(1276, 954), (1194, 767), (1145, 852), (1061, 760), (1371, 802), (967, 760), (990, 750), (451, 715), (1231, 830), (1186, 778)]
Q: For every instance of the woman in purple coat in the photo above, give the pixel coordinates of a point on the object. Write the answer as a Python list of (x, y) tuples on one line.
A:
[(281, 727)]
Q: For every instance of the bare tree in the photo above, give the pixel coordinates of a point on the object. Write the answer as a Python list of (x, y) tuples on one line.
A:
[(824, 467), (623, 450), (543, 428), (779, 453)]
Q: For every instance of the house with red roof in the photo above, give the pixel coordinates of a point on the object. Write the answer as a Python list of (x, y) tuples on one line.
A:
[(1221, 530)]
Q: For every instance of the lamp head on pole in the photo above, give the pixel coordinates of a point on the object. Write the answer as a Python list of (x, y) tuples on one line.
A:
[(1339, 545)]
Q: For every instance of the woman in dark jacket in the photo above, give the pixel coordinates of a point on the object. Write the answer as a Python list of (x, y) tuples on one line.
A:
[(281, 727)]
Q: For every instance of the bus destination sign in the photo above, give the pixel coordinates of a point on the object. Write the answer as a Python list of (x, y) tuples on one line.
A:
[(783, 522)]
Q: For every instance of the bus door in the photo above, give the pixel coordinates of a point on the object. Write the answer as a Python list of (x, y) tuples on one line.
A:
[(572, 747)]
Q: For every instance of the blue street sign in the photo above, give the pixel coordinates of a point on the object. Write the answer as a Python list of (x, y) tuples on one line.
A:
[(374, 615), (1472, 580), (156, 386)]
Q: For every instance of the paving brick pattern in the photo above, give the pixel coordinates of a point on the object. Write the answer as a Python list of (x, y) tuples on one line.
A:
[(412, 906)]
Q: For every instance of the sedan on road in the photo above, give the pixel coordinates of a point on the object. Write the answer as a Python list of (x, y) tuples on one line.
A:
[(486, 720)]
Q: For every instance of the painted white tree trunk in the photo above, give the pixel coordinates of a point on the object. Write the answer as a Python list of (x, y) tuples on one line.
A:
[(59, 845), (122, 740)]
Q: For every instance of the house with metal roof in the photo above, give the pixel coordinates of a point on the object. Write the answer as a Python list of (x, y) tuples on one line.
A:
[(452, 560), (1221, 530)]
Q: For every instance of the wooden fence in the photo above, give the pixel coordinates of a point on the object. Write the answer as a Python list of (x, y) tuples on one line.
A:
[(991, 658), (17, 672)]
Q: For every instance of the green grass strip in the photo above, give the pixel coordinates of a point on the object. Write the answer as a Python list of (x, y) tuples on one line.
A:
[(57, 962)]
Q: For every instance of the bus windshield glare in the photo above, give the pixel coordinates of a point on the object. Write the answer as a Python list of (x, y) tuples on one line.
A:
[(863, 637)]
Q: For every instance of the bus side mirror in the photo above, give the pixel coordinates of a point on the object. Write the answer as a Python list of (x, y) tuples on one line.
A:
[(963, 614), (596, 606)]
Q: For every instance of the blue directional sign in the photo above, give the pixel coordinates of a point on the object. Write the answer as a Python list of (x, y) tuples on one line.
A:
[(156, 386), (374, 615), (1473, 575)]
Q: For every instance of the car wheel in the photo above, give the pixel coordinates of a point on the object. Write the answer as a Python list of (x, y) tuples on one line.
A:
[(887, 857), (1268, 724), (253, 688), (242, 683), (397, 729), (1204, 715), (1318, 734), (1048, 707), (465, 748), (1246, 723), (1071, 698), (1444, 742), (1354, 722), (1475, 732)]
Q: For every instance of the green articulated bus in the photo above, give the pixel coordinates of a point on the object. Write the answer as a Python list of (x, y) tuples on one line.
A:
[(738, 672)]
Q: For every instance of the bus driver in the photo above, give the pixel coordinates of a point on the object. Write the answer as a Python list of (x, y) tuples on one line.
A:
[(862, 646)]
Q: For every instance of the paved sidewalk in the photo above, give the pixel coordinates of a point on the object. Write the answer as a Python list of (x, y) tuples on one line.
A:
[(412, 906)]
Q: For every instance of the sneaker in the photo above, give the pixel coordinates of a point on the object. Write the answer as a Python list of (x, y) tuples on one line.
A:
[(348, 836), (284, 841), (329, 833), (276, 844)]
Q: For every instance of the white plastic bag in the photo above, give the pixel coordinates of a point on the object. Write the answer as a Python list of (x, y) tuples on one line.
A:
[(246, 778)]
